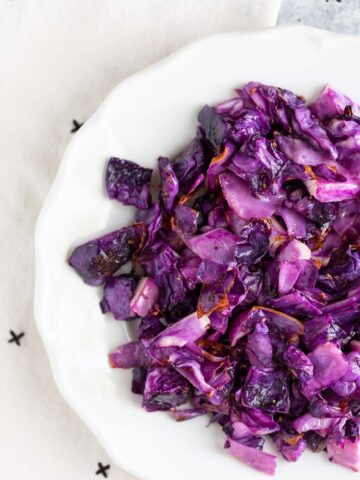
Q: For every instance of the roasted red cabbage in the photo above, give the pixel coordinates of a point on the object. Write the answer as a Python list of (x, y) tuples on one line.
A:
[(128, 182), (245, 275)]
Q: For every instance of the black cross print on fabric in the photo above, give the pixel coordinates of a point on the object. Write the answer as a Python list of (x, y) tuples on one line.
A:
[(15, 338), (102, 469), (76, 126)]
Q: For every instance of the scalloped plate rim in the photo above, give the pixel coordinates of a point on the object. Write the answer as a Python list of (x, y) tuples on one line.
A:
[(41, 225)]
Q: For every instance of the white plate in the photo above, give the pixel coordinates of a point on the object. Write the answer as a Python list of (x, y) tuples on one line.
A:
[(154, 113)]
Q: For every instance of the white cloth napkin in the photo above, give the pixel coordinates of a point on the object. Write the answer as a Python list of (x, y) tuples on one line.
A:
[(58, 61)]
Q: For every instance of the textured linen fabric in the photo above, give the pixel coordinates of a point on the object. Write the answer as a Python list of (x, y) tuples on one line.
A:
[(58, 61)]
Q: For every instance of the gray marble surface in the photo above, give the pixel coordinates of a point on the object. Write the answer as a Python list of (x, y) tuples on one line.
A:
[(336, 15)]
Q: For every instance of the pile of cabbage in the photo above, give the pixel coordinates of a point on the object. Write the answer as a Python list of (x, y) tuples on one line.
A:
[(245, 275)]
